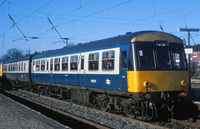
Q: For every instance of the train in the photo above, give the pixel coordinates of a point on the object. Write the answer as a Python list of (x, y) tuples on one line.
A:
[(141, 73)]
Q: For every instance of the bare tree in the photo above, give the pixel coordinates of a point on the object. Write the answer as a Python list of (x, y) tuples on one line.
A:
[(11, 54)]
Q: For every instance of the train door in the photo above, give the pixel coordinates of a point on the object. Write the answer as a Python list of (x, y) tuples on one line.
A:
[(51, 70), (47, 70), (81, 77)]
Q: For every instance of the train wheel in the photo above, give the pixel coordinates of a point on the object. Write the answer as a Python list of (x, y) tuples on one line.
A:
[(104, 105), (130, 111), (103, 102), (130, 108)]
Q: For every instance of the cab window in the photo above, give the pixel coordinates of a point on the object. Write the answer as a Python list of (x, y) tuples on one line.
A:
[(179, 61), (163, 59), (146, 59)]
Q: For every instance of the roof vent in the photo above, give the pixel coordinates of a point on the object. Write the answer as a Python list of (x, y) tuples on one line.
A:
[(128, 32)]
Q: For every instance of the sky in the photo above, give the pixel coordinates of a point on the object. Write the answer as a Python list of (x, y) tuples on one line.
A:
[(26, 24)]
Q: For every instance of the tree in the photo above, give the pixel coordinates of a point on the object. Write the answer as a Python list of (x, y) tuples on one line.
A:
[(11, 54)]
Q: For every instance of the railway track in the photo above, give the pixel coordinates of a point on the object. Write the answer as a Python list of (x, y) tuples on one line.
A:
[(88, 116), (92, 118)]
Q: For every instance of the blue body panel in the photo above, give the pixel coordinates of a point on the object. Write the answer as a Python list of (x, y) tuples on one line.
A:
[(17, 76), (114, 82)]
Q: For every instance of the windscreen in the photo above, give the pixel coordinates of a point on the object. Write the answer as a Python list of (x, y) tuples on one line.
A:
[(161, 58)]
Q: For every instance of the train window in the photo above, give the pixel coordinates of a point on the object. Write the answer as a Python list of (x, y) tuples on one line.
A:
[(82, 62), (163, 59), (42, 65), (124, 59), (47, 65), (108, 60), (10, 67), (24, 66), (146, 59), (15, 67), (64, 63), (4, 68), (51, 65), (38, 65), (21, 66), (33, 65), (73, 62), (57, 64), (94, 61), (179, 60)]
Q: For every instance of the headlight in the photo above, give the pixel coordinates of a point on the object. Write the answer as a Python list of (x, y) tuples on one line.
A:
[(147, 84), (183, 83)]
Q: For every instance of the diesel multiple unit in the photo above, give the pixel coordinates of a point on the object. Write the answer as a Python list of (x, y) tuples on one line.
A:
[(141, 73)]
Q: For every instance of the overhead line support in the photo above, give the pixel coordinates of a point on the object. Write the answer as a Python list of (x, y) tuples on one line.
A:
[(55, 29), (18, 27)]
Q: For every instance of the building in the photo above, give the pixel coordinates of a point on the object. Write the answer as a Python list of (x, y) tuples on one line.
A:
[(195, 56)]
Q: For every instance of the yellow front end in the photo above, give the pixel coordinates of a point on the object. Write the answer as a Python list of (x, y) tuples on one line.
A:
[(159, 81), (1, 69)]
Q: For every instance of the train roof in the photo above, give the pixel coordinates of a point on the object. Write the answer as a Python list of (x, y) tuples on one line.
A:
[(23, 58), (118, 40)]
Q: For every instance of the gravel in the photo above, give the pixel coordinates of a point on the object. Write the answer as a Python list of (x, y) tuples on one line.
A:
[(94, 116)]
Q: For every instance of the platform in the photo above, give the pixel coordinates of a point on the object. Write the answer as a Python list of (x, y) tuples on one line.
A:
[(14, 115)]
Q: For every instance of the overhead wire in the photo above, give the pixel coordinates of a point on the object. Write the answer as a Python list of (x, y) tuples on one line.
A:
[(35, 10), (142, 19), (26, 7), (2, 3), (161, 14), (96, 12), (146, 18), (63, 15)]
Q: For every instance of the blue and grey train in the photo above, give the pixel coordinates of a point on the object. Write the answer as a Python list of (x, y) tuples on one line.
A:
[(139, 73)]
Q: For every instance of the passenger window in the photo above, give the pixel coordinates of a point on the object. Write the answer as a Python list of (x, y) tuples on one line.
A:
[(47, 65), (73, 63), (24, 66), (42, 65), (16, 67), (12, 67), (94, 61), (51, 65), (82, 62), (9, 67), (108, 60), (38, 65), (5, 68), (124, 59), (64, 63), (33, 66), (21, 66), (57, 64)]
